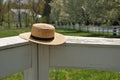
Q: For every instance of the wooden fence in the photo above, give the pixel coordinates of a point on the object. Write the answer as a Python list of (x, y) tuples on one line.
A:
[(35, 60)]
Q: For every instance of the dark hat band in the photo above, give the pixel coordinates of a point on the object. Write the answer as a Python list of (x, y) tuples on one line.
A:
[(45, 39)]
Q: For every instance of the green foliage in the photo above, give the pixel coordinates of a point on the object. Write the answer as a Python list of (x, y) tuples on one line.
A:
[(1, 10), (86, 11), (44, 19), (36, 7), (56, 10), (17, 76), (47, 10), (89, 12)]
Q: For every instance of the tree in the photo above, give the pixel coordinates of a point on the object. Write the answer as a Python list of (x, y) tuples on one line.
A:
[(102, 11), (87, 12), (68, 10), (74, 9), (56, 11), (46, 11), (1, 11)]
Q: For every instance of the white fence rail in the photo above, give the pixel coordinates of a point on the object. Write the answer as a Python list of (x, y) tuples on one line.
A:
[(35, 60), (100, 29)]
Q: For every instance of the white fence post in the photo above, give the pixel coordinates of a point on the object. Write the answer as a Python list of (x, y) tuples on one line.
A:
[(43, 61), (40, 63), (32, 73)]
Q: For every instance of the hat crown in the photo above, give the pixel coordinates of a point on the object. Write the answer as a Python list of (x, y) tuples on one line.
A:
[(42, 30)]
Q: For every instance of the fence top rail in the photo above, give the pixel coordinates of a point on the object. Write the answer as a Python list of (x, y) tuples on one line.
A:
[(13, 41), (93, 40)]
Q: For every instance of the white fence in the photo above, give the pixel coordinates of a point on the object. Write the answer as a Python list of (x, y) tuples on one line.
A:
[(35, 60), (100, 29)]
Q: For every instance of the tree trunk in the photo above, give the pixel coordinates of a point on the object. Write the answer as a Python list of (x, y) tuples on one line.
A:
[(47, 10)]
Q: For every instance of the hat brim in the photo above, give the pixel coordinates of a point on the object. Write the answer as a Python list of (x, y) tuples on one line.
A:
[(58, 39)]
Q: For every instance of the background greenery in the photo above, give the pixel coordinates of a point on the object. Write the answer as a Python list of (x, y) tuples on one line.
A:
[(87, 12), (14, 32)]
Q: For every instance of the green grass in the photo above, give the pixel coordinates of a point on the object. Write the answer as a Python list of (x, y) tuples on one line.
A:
[(86, 34), (67, 74), (17, 76), (74, 74), (14, 32)]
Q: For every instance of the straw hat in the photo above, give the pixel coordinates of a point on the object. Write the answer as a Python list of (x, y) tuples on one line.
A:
[(43, 33)]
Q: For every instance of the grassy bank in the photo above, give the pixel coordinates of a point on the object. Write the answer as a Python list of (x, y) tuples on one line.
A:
[(67, 74)]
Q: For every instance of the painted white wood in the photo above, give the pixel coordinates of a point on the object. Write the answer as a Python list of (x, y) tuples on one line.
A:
[(14, 41), (17, 55), (43, 61), (83, 56), (92, 41), (14, 59), (32, 73), (40, 64)]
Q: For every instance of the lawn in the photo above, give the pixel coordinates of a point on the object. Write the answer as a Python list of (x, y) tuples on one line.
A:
[(67, 74), (14, 32), (86, 34)]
